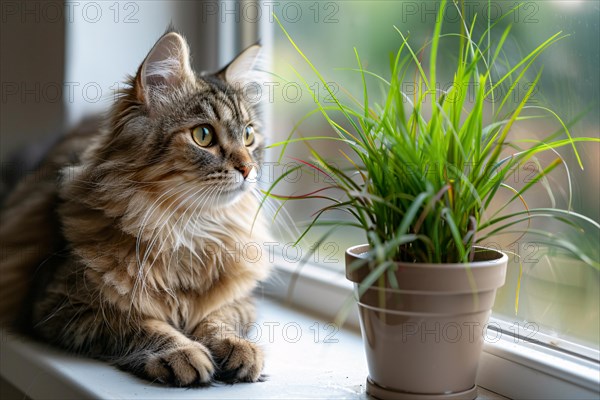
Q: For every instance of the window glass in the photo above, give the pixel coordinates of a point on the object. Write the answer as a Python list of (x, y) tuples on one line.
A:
[(557, 296)]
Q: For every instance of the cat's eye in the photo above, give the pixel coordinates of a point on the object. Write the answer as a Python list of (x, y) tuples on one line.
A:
[(249, 135), (203, 135)]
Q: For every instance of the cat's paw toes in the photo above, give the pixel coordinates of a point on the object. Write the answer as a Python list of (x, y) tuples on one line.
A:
[(185, 366), (237, 360)]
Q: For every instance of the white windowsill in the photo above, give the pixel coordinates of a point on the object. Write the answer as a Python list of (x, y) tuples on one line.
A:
[(307, 368)]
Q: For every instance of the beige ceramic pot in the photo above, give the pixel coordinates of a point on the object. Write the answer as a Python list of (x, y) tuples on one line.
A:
[(424, 339)]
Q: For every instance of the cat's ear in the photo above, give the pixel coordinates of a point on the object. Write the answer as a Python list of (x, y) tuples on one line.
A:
[(166, 66), (243, 69)]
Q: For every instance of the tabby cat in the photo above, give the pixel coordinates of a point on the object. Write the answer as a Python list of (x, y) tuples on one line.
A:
[(125, 245)]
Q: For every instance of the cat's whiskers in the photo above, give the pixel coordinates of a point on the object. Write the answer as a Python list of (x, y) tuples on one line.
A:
[(174, 237), (203, 218), (179, 233), (215, 218), (196, 213), (201, 202), (153, 207), (140, 282), (219, 215), (160, 223)]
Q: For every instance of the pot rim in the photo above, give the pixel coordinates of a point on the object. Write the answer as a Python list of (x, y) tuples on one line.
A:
[(357, 250)]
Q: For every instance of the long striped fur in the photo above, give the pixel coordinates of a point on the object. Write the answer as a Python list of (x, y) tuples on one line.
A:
[(130, 243)]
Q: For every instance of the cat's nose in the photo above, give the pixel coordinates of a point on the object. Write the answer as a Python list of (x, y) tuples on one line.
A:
[(246, 171)]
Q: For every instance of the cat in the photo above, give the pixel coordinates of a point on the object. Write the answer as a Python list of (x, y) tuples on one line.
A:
[(128, 237)]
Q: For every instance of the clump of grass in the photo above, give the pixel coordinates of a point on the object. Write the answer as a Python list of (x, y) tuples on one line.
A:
[(424, 169)]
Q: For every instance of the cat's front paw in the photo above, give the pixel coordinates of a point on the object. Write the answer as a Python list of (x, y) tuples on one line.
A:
[(237, 360), (191, 365)]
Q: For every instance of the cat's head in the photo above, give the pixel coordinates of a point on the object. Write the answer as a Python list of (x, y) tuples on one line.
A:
[(195, 135)]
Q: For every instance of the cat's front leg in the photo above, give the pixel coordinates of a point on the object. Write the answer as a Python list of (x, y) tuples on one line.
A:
[(236, 358), (150, 348), (165, 355)]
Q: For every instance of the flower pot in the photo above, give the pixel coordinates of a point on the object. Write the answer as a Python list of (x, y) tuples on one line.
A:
[(424, 339)]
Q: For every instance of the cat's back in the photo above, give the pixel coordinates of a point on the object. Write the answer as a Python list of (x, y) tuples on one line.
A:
[(30, 232)]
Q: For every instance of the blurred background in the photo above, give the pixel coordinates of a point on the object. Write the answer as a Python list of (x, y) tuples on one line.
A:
[(62, 61), (558, 298)]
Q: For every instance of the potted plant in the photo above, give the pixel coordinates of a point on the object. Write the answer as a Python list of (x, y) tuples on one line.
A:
[(422, 173)]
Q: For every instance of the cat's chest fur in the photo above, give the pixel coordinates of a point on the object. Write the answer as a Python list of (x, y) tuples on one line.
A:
[(174, 272)]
